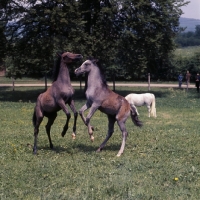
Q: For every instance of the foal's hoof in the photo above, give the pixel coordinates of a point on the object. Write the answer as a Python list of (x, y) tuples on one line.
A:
[(34, 152), (98, 150), (119, 154), (63, 134), (92, 138), (73, 136)]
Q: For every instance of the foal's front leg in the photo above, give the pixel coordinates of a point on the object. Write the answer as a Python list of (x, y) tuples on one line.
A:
[(71, 104), (86, 120), (81, 112), (92, 110), (61, 103)]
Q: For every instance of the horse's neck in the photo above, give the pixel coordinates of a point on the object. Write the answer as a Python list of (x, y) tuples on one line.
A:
[(63, 75), (94, 78)]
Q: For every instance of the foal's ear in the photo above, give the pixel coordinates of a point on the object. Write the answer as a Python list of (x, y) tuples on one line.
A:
[(59, 54), (95, 61)]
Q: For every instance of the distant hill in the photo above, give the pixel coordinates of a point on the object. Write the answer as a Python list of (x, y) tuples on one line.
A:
[(189, 23)]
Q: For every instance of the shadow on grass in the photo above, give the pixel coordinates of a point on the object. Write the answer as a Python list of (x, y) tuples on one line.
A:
[(79, 147), (92, 148), (28, 94)]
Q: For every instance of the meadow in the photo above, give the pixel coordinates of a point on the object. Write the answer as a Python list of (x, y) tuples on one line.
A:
[(187, 52), (161, 160)]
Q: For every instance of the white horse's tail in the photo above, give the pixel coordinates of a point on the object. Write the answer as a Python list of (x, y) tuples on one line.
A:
[(153, 106)]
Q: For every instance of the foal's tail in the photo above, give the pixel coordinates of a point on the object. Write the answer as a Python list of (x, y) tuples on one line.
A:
[(134, 117), (153, 106), (34, 118)]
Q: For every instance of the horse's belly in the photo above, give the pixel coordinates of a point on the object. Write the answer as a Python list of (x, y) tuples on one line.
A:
[(137, 104), (50, 108), (109, 111), (48, 104)]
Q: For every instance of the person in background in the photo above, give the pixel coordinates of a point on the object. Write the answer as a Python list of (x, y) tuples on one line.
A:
[(197, 81), (180, 79), (187, 77)]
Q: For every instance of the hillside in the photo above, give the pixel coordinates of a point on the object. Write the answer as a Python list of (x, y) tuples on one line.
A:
[(187, 52), (189, 23)]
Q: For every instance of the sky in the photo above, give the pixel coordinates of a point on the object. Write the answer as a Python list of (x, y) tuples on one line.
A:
[(192, 10)]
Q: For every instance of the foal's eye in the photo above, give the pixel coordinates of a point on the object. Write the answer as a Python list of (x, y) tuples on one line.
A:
[(87, 64)]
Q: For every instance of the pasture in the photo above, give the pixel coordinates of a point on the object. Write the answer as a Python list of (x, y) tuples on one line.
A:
[(161, 160), (187, 52)]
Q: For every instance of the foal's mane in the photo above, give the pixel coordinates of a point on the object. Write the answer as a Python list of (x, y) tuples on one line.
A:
[(102, 71), (56, 68)]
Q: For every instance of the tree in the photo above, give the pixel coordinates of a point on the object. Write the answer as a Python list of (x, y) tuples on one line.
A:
[(2, 37), (131, 37), (43, 28), (189, 38), (2, 44), (150, 28), (197, 31)]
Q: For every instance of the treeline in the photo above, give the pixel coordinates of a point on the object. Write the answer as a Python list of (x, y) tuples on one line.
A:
[(130, 37), (189, 38), (185, 61), (187, 56)]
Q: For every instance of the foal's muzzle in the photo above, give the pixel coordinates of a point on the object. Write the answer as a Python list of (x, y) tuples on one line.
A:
[(77, 71)]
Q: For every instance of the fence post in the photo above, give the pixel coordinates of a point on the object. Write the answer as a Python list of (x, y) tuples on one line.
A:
[(80, 82), (149, 81), (13, 84), (45, 82)]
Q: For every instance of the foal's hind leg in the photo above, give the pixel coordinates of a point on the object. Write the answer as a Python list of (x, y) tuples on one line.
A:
[(37, 119), (121, 120), (111, 122), (124, 136), (48, 127)]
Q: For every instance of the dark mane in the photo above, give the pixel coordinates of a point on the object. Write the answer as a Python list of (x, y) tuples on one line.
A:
[(102, 71), (56, 69)]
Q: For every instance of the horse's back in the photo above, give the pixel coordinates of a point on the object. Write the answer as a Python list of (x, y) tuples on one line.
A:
[(135, 99), (113, 102), (140, 99)]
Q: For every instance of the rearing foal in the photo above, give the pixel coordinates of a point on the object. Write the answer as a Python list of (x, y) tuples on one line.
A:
[(99, 96), (55, 98)]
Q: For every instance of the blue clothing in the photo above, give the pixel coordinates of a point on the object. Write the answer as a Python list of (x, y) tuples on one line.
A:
[(197, 82), (180, 77)]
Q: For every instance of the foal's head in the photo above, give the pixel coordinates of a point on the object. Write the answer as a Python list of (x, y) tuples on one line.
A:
[(89, 65), (86, 67), (68, 57)]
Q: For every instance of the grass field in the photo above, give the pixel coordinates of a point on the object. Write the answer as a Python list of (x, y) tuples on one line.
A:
[(161, 160), (188, 51)]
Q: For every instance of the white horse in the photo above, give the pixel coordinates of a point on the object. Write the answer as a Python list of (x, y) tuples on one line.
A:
[(147, 99)]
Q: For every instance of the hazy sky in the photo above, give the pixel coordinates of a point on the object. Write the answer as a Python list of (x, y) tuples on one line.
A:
[(192, 10)]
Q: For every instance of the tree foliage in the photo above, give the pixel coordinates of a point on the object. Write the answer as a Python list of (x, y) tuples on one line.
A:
[(131, 37), (189, 38)]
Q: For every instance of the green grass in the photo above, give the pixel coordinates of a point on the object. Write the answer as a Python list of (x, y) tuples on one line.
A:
[(23, 80), (187, 52), (165, 148)]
